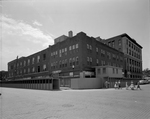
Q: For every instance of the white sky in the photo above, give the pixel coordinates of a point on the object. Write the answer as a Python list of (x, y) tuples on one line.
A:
[(28, 26)]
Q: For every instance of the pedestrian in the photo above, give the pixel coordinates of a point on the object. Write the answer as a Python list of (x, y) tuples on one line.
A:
[(106, 84), (116, 85), (119, 84), (138, 85), (132, 86), (127, 86)]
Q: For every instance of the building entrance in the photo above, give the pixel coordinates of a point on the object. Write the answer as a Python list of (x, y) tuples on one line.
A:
[(65, 82)]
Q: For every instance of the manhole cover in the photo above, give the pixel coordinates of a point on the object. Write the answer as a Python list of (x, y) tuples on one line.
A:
[(67, 105)]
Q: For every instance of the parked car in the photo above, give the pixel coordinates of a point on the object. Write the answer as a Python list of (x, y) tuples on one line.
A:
[(141, 81), (144, 81)]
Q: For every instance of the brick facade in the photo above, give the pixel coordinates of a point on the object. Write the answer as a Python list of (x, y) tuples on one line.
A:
[(132, 54), (71, 57)]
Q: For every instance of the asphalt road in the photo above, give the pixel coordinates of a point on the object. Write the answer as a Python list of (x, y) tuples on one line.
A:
[(75, 104)]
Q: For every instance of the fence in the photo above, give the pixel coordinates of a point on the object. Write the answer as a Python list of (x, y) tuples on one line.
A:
[(41, 84)]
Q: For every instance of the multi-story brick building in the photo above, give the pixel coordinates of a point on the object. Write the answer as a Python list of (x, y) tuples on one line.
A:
[(35, 65), (132, 54), (70, 56)]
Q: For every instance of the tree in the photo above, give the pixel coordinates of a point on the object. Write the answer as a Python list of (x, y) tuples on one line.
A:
[(146, 72)]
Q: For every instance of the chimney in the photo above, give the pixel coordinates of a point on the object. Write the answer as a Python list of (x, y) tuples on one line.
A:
[(70, 34)]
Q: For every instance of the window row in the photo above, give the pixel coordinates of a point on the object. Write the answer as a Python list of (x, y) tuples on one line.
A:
[(101, 71), (133, 69), (89, 60), (133, 46), (30, 70), (64, 51), (65, 63), (27, 62), (89, 47), (103, 63), (133, 62), (134, 76), (132, 53), (111, 44)]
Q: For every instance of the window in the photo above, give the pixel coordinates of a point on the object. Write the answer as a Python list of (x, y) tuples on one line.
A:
[(77, 46), (129, 52), (33, 69), (33, 60), (28, 61), (65, 51), (17, 64), (104, 70), (20, 63), (24, 63), (28, 70), (113, 70), (60, 64), (73, 61), (24, 70), (113, 44), (119, 42), (97, 50), (99, 71), (114, 56), (38, 68), (65, 62), (127, 42), (56, 52), (44, 67), (77, 60), (59, 53), (38, 59), (109, 44), (56, 65), (62, 50), (132, 45), (87, 60), (102, 52), (102, 63), (69, 47), (108, 55), (97, 62), (90, 61), (44, 56), (73, 47), (70, 61), (90, 47)]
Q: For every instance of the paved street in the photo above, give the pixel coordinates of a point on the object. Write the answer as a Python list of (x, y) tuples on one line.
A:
[(75, 104)]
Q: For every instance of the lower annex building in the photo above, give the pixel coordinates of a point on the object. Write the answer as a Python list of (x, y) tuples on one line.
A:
[(70, 56)]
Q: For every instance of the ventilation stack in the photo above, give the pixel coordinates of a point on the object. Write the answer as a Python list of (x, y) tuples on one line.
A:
[(70, 34)]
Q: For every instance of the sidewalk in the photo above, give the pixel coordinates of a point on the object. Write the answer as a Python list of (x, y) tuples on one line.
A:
[(75, 104)]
